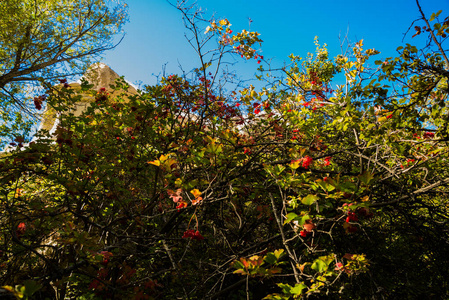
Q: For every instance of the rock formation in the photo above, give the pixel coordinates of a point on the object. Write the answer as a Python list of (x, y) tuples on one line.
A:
[(98, 74)]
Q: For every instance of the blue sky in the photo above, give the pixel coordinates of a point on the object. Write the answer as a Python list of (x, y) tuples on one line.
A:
[(155, 34)]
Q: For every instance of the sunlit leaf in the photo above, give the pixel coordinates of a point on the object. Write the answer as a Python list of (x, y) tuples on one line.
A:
[(309, 199)]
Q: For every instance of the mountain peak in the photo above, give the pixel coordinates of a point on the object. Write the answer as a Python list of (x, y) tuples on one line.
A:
[(100, 75)]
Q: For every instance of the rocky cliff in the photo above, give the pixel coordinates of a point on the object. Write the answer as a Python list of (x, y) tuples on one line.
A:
[(98, 74)]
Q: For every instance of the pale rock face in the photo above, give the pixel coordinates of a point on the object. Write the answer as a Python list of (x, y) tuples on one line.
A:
[(98, 74)]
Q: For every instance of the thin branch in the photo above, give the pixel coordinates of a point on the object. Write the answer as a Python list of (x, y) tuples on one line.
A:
[(413, 194), (284, 241), (433, 35)]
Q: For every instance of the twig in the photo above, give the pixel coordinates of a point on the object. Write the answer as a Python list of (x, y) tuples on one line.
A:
[(281, 230), (415, 193), (433, 35)]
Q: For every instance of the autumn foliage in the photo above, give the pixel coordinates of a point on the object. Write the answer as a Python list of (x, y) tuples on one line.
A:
[(187, 190)]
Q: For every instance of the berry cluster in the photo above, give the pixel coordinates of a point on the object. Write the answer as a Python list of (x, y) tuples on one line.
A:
[(194, 235), (38, 101), (428, 135), (64, 82), (306, 161), (305, 233), (21, 228), (102, 96), (352, 217)]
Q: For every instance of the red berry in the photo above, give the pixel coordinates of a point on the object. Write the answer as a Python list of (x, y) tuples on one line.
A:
[(352, 217), (188, 234), (197, 236), (21, 228), (306, 161)]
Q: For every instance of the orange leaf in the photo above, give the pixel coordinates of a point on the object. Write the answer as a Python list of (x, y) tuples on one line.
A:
[(197, 200), (157, 163), (196, 193)]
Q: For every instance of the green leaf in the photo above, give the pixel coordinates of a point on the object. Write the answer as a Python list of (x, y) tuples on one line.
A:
[(319, 266), (270, 258), (297, 289), (31, 287), (290, 217), (279, 253), (366, 177), (326, 186), (205, 66), (303, 220), (279, 169), (286, 288), (435, 15), (347, 187), (309, 200), (238, 265)]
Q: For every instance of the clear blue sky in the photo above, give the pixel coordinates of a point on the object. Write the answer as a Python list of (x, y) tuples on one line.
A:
[(155, 33)]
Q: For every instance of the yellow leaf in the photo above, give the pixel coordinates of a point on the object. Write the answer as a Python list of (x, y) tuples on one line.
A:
[(196, 193), (253, 94), (223, 22), (18, 193), (295, 164), (8, 288), (169, 162), (155, 162)]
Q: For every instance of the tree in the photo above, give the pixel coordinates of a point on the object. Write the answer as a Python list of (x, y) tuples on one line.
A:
[(299, 189), (42, 41)]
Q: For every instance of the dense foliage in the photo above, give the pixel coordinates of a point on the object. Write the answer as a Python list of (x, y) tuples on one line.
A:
[(189, 190), (43, 40)]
